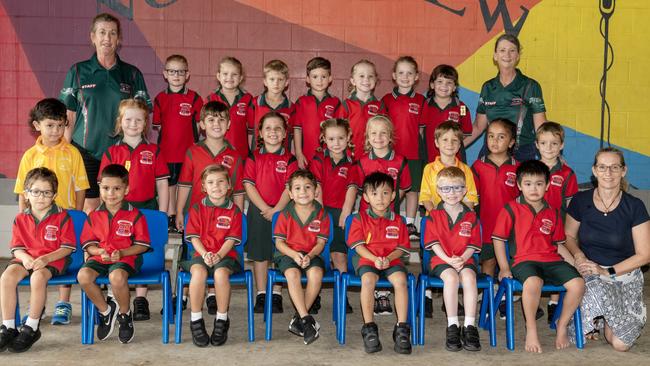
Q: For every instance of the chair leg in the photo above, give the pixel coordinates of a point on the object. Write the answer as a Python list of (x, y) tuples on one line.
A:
[(249, 297), (343, 315), (166, 289), (577, 323), (84, 315), (90, 325), (558, 311), (421, 291), (178, 323), (411, 312), (17, 317), (510, 318), (335, 300), (492, 320), (268, 306), (482, 318)]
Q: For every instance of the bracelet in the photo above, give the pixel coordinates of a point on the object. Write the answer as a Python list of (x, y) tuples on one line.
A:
[(219, 257)]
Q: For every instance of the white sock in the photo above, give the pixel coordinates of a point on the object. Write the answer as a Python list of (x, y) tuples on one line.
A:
[(428, 294), (109, 292), (410, 220), (452, 320), (184, 298), (261, 292), (222, 316), (9, 324), (382, 293), (210, 294), (106, 312), (196, 316), (469, 320), (277, 292), (32, 323), (551, 302)]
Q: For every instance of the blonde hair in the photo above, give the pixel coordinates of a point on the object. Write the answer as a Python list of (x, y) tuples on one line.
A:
[(214, 169), (351, 87), (451, 172), (385, 120), (551, 127), (278, 66), (236, 63), (131, 104), (449, 126)]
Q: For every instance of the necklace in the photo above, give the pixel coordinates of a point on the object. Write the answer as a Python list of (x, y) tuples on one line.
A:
[(607, 207)]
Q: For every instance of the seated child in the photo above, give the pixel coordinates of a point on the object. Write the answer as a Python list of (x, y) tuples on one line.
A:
[(453, 233), (42, 239), (534, 230), (380, 239), (114, 235), (300, 233), (214, 227)]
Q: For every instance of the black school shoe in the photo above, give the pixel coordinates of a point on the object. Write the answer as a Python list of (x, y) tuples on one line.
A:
[(539, 314), (220, 332), (370, 334), (469, 337), (141, 309), (211, 304), (174, 305), (453, 342), (428, 307), (310, 329), (348, 307), (260, 300), (277, 304), (107, 322), (315, 306), (200, 336), (295, 326), (171, 225), (25, 339), (550, 310), (7, 336), (402, 338), (127, 331)]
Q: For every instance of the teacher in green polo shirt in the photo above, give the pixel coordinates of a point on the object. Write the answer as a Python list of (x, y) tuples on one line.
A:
[(513, 96), (92, 92)]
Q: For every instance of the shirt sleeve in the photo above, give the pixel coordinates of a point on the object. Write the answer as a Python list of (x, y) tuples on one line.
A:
[(193, 227), (250, 171), (156, 118), (356, 235), (295, 121), (187, 170), (404, 242), (571, 187), (280, 229), (237, 176), (503, 225), (472, 193), (535, 99), (316, 168), (79, 171), (354, 176), (430, 235), (106, 160), (405, 182), (161, 170), (325, 227), (140, 88), (141, 232), (17, 240), (235, 231), (640, 213), (577, 203), (88, 236), (292, 166), (558, 237), (475, 241), (480, 108), (68, 93), (23, 168), (67, 235), (465, 119), (427, 187)]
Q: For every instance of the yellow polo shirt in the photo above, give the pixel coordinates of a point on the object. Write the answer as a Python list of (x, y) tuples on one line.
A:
[(428, 191)]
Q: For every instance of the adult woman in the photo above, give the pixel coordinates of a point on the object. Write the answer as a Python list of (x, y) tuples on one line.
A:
[(92, 91), (608, 234), (513, 96)]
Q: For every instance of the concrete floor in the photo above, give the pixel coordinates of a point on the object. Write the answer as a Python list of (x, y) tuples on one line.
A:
[(61, 345)]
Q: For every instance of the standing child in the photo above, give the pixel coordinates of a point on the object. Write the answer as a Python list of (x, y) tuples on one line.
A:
[(230, 77), (380, 239), (362, 103), (312, 109), (114, 236), (53, 151), (148, 173), (176, 113), (442, 105), (214, 227), (266, 174), (338, 183), (404, 107), (42, 239), (453, 233), (534, 230), (300, 233)]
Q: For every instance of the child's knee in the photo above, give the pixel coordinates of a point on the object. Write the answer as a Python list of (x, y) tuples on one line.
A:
[(314, 273), (118, 277), (533, 282), (369, 280), (292, 274), (398, 280), (222, 275), (85, 277), (199, 271), (40, 277)]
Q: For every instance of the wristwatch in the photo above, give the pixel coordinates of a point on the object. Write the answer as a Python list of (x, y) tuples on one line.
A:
[(612, 272)]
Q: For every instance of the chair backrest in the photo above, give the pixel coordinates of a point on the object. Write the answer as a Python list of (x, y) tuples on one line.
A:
[(324, 254), (426, 254), (239, 248), (78, 221), (154, 259)]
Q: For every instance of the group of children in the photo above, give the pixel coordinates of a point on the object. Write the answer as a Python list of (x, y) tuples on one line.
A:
[(307, 162)]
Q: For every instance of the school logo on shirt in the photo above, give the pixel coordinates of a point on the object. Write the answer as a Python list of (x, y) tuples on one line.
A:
[(557, 180), (227, 161), (414, 108), (343, 172), (124, 228), (516, 101), (125, 88), (146, 157), (392, 232), (314, 226), (454, 116), (185, 109), (281, 166), (223, 222), (88, 86), (241, 109), (392, 172), (50, 232), (465, 229), (373, 109), (329, 111), (546, 227), (511, 179)]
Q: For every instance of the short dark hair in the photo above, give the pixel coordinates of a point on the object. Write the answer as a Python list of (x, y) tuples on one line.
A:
[(533, 167), (215, 108), (43, 174), (376, 180), (447, 72), (48, 108), (507, 124), (115, 171), (304, 174), (319, 63)]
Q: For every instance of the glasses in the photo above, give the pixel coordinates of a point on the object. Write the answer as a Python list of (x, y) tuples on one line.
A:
[(614, 168), (447, 189), (36, 193), (173, 72)]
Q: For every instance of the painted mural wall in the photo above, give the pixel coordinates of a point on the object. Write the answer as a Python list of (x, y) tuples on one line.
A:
[(562, 48)]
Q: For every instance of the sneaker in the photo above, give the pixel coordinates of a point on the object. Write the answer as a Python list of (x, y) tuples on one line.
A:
[(413, 232), (220, 332), (310, 328), (127, 331), (277, 304), (7, 336), (402, 338), (428, 307), (200, 336), (260, 300), (62, 313), (370, 334), (174, 305), (23, 320), (211, 304), (107, 322), (540, 314), (25, 339), (382, 305), (550, 310), (453, 342), (502, 310), (470, 338), (348, 307), (141, 309), (171, 224), (460, 311), (295, 326), (315, 306)]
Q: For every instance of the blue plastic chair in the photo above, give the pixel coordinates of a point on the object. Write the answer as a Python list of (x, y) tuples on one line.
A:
[(511, 285), (70, 276), (275, 276), (243, 277), (351, 279), (482, 281), (153, 272)]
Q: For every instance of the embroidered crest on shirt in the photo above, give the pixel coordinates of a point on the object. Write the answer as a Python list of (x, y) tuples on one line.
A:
[(329, 111), (392, 232), (392, 172), (546, 227), (465, 229), (124, 228), (125, 88), (223, 222), (516, 101), (314, 226), (557, 180), (185, 109), (281, 166), (511, 179), (414, 108), (241, 109), (50, 232), (373, 110), (454, 116), (146, 157), (343, 172), (228, 161)]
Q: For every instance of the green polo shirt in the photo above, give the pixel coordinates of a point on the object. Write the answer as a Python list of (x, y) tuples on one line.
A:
[(497, 101), (94, 93)]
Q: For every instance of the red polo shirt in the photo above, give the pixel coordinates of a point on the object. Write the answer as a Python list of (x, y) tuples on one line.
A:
[(241, 116), (380, 234), (146, 164), (531, 236), (335, 179), (128, 227), (302, 236), (392, 164), (453, 238), (496, 186), (308, 114), (562, 186), (269, 172), (39, 238), (404, 111), (432, 116), (178, 116), (358, 113), (213, 225)]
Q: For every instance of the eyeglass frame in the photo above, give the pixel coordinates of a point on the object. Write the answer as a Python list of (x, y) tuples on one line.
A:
[(614, 168), (449, 189), (38, 193), (174, 72)]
